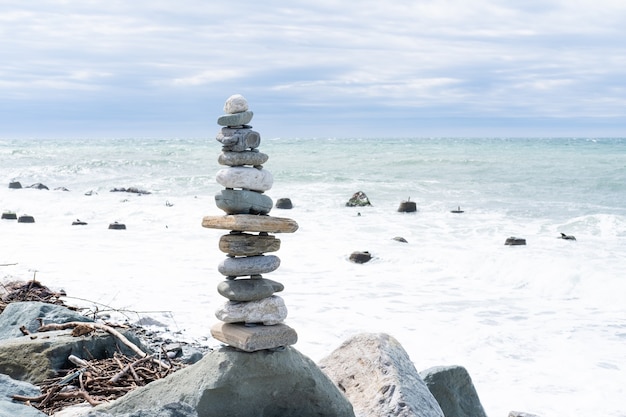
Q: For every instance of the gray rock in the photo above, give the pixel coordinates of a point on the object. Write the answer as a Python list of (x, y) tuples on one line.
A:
[(10, 387), (42, 355), (243, 202), (407, 207), (238, 139), (245, 244), (269, 311), (379, 379), (248, 265), (252, 338), (400, 239), (360, 257), (253, 157), (515, 241), (15, 185), (235, 119), (248, 289), (228, 382), (31, 315), (358, 199), (453, 389), (284, 203)]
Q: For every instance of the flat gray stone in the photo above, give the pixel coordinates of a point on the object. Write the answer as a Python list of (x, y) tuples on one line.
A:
[(243, 202), (248, 265), (235, 119), (228, 382), (245, 244), (268, 311), (248, 289), (252, 157), (248, 178), (453, 389)]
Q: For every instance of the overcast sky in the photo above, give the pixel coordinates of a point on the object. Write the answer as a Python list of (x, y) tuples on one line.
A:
[(323, 68)]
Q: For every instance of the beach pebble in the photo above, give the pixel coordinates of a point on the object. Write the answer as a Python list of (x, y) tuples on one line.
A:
[(360, 257), (269, 311), (248, 289), (407, 207), (243, 202), (244, 244), (9, 215), (515, 241), (245, 177), (236, 119), (248, 265), (252, 339), (39, 186), (252, 157), (250, 223), (236, 104), (284, 203), (117, 226)]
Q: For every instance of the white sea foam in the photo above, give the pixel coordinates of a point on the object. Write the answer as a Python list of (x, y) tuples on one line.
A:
[(541, 328)]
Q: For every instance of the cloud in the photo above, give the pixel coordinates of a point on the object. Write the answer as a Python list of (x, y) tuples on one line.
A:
[(441, 58)]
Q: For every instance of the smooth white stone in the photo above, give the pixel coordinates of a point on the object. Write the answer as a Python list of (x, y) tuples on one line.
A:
[(269, 311), (236, 104), (247, 178)]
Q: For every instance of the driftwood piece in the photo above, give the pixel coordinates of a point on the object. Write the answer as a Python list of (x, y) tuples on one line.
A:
[(97, 381), (93, 326)]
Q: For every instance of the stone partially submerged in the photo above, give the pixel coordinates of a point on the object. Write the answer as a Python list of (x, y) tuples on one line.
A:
[(453, 389), (227, 382), (379, 379)]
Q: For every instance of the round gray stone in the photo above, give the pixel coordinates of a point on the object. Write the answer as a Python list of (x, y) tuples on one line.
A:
[(243, 202)]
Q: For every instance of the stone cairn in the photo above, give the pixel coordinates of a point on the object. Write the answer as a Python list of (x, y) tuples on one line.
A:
[(252, 318)]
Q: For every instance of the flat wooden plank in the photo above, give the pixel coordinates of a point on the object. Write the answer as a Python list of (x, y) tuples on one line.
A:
[(250, 223)]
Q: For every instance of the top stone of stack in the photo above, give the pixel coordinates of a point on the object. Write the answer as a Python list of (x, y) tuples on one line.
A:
[(237, 111), (236, 104)]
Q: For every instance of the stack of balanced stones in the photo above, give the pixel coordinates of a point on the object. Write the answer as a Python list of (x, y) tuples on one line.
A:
[(253, 317)]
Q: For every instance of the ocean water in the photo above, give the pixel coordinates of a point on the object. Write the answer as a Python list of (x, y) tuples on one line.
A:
[(541, 328)]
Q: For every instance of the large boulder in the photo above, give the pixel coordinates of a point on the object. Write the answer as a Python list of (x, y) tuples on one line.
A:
[(228, 382), (379, 379), (10, 387), (453, 389), (30, 315)]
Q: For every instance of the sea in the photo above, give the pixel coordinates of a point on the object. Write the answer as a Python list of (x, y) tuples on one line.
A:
[(540, 327)]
